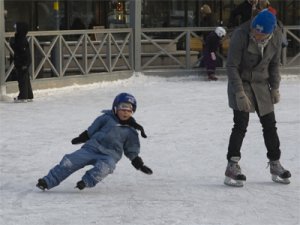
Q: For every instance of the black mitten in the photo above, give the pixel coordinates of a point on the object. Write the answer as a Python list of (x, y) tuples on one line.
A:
[(138, 163), (82, 138)]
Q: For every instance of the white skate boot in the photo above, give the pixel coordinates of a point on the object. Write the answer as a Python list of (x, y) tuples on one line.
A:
[(233, 173), (279, 174)]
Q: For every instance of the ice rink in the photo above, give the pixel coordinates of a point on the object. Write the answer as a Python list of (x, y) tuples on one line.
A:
[(188, 123)]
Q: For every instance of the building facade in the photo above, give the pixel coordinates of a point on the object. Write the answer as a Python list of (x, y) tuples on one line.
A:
[(67, 14)]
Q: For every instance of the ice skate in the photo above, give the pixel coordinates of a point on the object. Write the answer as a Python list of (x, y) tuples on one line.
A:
[(42, 184), (233, 173), (80, 185), (279, 174), (212, 77), (17, 100)]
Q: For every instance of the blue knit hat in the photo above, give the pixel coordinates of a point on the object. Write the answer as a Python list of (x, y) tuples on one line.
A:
[(264, 22)]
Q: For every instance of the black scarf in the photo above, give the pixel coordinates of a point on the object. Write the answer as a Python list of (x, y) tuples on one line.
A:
[(132, 123)]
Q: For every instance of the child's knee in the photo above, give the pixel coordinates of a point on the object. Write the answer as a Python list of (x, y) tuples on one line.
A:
[(106, 167), (66, 163)]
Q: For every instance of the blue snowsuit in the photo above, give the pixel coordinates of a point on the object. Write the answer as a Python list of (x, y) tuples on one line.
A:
[(108, 140)]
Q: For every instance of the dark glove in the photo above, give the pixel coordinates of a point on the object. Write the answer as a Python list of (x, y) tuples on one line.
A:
[(138, 163), (82, 138)]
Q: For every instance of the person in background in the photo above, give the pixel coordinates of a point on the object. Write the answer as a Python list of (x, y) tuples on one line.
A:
[(242, 13), (107, 138), (253, 86), (263, 4), (206, 16), (212, 43), (206, 19), (77, 24), (22, 62)]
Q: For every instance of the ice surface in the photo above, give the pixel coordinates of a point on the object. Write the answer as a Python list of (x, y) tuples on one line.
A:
[(188, 123)]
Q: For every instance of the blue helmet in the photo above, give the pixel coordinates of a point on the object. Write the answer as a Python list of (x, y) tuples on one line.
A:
[(124, 98)]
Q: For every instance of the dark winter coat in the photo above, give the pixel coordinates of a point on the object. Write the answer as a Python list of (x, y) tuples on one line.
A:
[(212, 44), (207, 21), (109, 137), (247, 70), (244, 10), (20, 45)]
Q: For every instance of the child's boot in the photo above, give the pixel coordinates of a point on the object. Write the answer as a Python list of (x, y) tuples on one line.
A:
[(80, 185), (212, 77), (42, 184)]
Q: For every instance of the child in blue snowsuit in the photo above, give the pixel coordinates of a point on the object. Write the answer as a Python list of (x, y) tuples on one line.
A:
[(105, 140)]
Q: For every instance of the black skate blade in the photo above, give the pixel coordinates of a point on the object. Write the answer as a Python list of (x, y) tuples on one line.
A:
[(279, 180), (285, 175), (241, 177), (233, 183), (40, 187)]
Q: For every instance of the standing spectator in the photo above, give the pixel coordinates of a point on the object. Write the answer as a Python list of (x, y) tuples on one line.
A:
[(22, 61), (242, 13), (212, 43), (253, 86), (206, 19), (77, 24), (206, 16), (263, 4)]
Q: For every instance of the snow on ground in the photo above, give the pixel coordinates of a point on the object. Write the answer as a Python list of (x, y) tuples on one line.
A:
[(188, 123)]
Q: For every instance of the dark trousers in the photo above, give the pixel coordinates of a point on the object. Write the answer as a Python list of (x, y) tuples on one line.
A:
[(239, 130), (210, 64), (25, 90)]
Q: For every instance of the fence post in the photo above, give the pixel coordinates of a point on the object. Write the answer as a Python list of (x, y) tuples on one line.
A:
[(188, 49), (2, 52), (283, 51), (135, 24)]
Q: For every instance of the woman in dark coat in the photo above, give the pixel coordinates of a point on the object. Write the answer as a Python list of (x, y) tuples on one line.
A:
[(22, 61), (253, 86)]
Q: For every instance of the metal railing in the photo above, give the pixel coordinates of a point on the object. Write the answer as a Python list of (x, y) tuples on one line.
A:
[(57, 54), (83, 52), (182, 38), (292, 33)]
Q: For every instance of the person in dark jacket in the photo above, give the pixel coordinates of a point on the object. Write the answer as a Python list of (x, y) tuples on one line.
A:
[(253, 86), (242, 13), (206, 20), (211, 46), (22, 62), (106, 139)]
